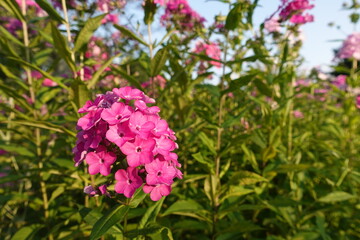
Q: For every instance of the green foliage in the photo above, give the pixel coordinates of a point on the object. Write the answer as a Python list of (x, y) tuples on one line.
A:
[(253, 169)]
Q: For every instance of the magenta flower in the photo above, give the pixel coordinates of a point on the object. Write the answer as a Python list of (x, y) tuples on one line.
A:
[(90, 190), (120, 126), (140, 125), (272, 25), (127, 181), (358, 101), (89, 120), (350, 47), (118, 113), (159, 172), (128, 93), (119, 134), (163, 146), (158, 191), (100, 161), (138, 152)]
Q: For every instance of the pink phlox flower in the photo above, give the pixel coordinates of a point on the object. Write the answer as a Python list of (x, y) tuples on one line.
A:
[(141, 105), (159, 172), (350, 47), (272, 25), (139, 152), (161, 2), (147, 99), (211, 50), (103, 190), (301, 19), (340, 82), (119, 134), (140, 125), (157, 191), (358, 101), (100, 161), (93, 136), (298, 114), (49, 83), (163, 145), (79, 153), (89, 120), (110, 18), (127, 181), (118, 113), (90, 190), (161, 126), (128, 93)]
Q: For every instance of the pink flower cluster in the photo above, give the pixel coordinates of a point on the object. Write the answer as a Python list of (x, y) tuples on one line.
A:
[(294, 10), (358, 101), (122, 134), (350, 47), (272, 25), (211, 50), (179, 13)]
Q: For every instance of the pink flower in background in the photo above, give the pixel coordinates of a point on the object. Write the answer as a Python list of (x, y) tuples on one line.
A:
[(211, 50), (179, 13), (272, 25), (350, 47), (298, 114), (161, 2), (358, 101), (120, 129), (340, 82)]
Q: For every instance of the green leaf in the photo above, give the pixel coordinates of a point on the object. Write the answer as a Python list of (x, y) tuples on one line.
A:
[(14, 94), (129, 78), (207, 142), (130, 34), (263, 88), (107, 221), (13, 7), (61, 47), (27, 232), (86, 32), (137, 198), (151, 213), (336, 196), (44, 73), (238, 83), (158, 62), (57, 192), (10, 37), (184, 206), (79, 93), (246, 178), (50, 10), (98, 73), (43, 125), (11, 178), (16, 149), (210, 164), (233, 19)]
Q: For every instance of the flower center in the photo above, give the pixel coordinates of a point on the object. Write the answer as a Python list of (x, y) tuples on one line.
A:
[(129, 181), (119, 116), (137, 128), (101, 161), (138, 149), (159, 174), (121, 135)]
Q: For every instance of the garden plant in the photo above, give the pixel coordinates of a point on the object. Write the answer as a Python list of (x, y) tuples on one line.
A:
[(141, 119)]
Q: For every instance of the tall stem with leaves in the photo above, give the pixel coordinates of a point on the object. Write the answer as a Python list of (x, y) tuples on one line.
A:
[(35, 114)]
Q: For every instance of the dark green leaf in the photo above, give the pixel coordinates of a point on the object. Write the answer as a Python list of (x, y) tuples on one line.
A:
[(158, 62), (107, 221), (86, 32), (130, 34), (50, 10)]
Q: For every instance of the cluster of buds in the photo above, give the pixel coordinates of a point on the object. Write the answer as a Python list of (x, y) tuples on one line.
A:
[(121, 134)]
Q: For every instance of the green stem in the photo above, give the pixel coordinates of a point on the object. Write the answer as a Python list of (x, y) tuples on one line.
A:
[(68, 32), (37, 130), (151, 57)]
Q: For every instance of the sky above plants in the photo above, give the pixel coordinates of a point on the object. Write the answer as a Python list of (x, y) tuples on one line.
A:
[(320, 39)]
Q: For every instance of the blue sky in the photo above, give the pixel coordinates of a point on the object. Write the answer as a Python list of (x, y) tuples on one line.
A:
[(319, 37)]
